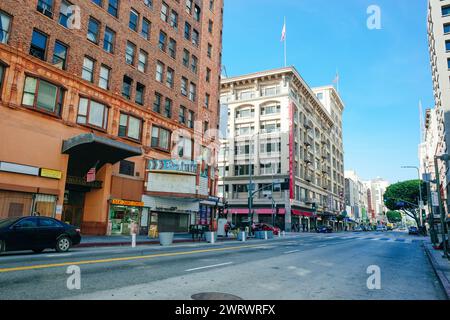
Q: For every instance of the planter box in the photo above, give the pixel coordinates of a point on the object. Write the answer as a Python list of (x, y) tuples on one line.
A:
[(166, 238), (211, 237)]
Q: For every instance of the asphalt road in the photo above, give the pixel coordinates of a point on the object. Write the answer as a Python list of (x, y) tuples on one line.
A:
[(306, 266)]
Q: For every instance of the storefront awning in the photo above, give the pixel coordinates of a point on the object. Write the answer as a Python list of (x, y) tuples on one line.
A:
[(264, 211), (301, 213), (87, 149)]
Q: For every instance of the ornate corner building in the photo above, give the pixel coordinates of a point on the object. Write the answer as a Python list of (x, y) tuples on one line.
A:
[(127, 90)]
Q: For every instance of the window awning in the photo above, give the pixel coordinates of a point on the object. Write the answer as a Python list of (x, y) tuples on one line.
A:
[(86, 150), (257, 211)]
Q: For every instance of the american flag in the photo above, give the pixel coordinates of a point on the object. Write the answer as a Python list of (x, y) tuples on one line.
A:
[(90, 176), (283, 32)]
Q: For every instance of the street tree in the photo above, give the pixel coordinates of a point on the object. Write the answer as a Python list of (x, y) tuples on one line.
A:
[(394, 216), (405, 196)]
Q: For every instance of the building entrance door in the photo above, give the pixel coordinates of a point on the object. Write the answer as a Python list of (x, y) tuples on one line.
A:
[(73, 207)]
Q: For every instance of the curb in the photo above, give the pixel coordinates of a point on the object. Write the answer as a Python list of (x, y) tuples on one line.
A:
[(445, 283), (140, 243)]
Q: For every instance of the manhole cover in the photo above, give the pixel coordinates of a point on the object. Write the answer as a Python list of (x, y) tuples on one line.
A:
[(214, 296)]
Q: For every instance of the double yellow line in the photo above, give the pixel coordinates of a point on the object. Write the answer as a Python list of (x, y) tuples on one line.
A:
[(98, 261)]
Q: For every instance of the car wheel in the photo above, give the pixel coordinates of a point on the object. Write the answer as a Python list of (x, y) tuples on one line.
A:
[(63, 244), (38, 250)]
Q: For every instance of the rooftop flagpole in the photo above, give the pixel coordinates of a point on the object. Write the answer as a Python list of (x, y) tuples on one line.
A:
[(283, 38)]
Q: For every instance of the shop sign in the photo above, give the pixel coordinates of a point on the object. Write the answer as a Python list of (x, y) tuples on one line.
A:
[(174, 166), (52, 174), (19, 168), (127, 203), (82, 182)]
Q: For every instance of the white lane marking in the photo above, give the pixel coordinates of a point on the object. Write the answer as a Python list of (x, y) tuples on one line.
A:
[(58, 255), (376, 239), (293, 251), (208, 267)]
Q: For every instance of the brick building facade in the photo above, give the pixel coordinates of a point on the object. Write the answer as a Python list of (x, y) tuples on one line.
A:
[(91, 83)]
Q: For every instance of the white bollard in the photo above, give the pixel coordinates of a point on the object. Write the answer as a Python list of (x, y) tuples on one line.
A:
[(265, 235), (133, 240), (213, 240)]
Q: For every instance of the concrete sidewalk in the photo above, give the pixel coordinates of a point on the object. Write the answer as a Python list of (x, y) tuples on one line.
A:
[(440, 265)]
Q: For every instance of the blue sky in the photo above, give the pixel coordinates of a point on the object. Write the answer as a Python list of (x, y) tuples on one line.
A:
[(384, 73)]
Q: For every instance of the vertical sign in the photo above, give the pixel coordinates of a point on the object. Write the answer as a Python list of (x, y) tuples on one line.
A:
[(203, 215), (291, 151)]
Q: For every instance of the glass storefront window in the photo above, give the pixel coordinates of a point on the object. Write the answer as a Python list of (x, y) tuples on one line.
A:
[(122, 218)]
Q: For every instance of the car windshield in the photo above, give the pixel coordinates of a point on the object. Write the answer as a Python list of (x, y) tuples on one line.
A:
[(7, 221)]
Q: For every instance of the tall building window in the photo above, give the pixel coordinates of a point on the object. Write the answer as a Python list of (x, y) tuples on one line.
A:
[(126, 168), (172, 48), (130, 53), (194, 64), (64, 13), (169, 77), (134, 20), (207, 99), (168, 108), (164, 12), (142, 64), (140, 93), (145, 31), (448, 63), (60, 55), (182, 115), (126, 87), (445, 10), (184, 86), (113, 7), (191, 119), (446, 28), (184, 148), (103, 81), (210, 26), (130, 127), (149, 3), (2, 76), (186, 55), (108, 40), (174, 19), (93, 29), (42, 95), (192, 92), (97, 2), (5, 24), (187, 31), (159, 71), (157, 102), (208, 74), (211, 5), (92, 113), (447, 45), (38, 45), (189, 6), (195, 38), (197, 13), (162, 41), (88, 69), (45, 7), (160, 138), (209, 50)]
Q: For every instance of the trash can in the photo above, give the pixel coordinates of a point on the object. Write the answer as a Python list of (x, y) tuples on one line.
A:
[(166, 238)]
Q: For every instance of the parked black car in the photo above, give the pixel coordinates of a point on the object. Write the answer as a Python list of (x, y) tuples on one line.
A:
[(37, 234), (324, 229)]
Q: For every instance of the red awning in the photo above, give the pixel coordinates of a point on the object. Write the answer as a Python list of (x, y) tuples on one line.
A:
[(257, 211), (301, 213)]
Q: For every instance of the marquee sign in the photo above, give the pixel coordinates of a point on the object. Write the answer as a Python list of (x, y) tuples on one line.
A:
[(173, 166)]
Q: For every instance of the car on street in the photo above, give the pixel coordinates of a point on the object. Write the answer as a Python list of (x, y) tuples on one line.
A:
[(413, 231), (266, 227), (37, 234), (381, 229), (324, 229), (358, 229)]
